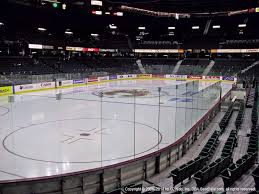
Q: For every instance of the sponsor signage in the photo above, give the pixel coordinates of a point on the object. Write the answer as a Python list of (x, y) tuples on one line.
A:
[(176, 76), (120, 77), (108, 50), (96, 2), (144, 75), (194, 76), (159, 76), (181, 76), (124, 76), (6, 90), (78, 81), (35, 46), (103, 78), (38, 86), (112, 77), (45, 84), (40, 46), (92, 79), (90, 49), (255, 50), (212, 77), (157, 51), (228, 50), (67, 82), (71, 48), (47, 47), (250, 50), (228, 78), (26, 87)]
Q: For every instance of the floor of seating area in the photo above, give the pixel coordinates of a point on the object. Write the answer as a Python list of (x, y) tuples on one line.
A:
[(246, 181)]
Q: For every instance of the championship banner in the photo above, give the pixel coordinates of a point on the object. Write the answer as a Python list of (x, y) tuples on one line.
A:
[(92, 79), (144, 75), (158, 76), (194, 77), (6, 90)]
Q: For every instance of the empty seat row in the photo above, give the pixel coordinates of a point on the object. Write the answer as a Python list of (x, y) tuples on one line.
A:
[(253, 140), (235, 171), (254, 115), (250, 97), (253, 149), (210, 146), (187, 170), (255, 175), (209, 172), (240, 115), (230, 144), (225, 120)]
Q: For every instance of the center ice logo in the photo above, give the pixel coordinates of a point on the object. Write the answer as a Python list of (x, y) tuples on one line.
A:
[(126, 93)]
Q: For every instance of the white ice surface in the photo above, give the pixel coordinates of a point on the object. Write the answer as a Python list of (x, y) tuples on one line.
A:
[(42, 136)]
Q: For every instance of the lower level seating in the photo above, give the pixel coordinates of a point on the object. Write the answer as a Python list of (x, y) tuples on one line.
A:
[(240, 115), (187, 170), (230, 144), (235, 171), (255, 175), (211, 171), (224, 121)]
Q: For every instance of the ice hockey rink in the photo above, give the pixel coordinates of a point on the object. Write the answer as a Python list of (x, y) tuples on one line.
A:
[(97, 125)]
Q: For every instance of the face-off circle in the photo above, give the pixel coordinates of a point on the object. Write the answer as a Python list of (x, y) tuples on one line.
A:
[(81, 144)]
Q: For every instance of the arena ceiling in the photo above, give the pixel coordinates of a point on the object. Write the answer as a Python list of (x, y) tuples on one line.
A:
[(188, 5), (179, 6)]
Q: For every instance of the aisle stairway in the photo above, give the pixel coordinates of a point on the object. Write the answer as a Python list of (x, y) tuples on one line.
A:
[(140, 66)]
